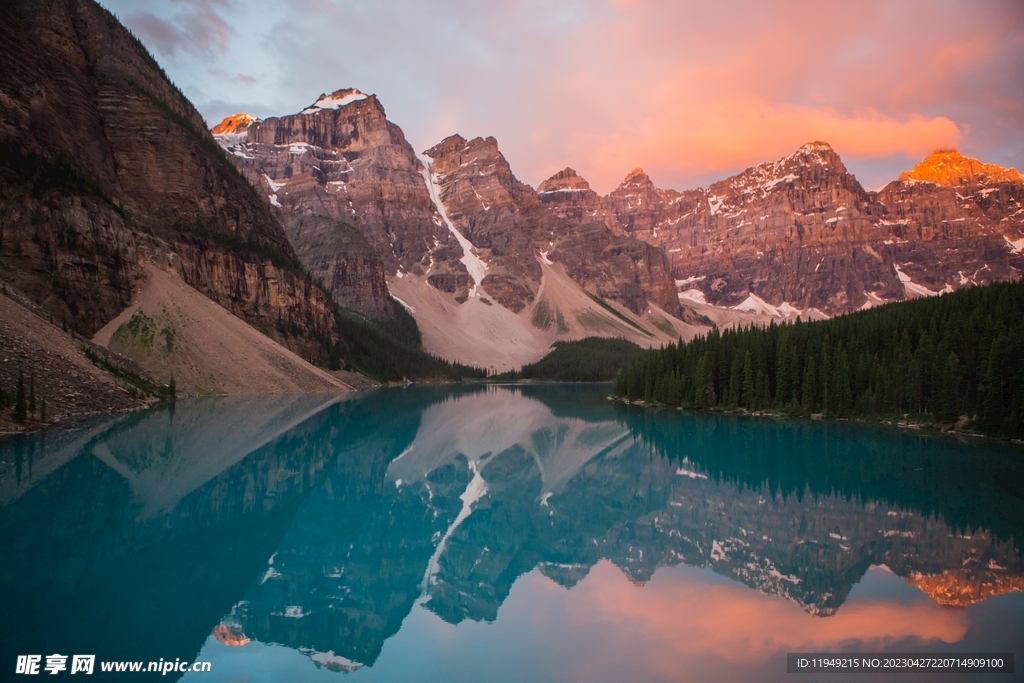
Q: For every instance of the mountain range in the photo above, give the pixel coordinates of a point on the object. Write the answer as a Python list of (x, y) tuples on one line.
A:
[(492, 270), (327, 233), (455, 232)]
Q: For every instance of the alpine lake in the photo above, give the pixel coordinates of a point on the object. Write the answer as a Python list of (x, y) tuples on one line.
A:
[(503, 533)]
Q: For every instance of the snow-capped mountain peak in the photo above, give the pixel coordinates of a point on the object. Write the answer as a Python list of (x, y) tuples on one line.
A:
[(336, 100)]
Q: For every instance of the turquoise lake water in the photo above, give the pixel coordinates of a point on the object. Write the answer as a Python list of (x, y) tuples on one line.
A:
[(529, 533)]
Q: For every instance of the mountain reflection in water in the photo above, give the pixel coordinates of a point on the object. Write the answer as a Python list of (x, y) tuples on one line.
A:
[(349, 530)]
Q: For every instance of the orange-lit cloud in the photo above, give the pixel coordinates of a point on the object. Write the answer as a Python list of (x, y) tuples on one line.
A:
[(732, 133), (684, 91), (690, 90)]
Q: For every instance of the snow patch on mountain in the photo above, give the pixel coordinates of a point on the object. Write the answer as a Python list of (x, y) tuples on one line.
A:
[(694, 295), (690, 280), (873, 300), (274, 186), (755, 304), (1016, 245), (335, 100), (714, 203), (912, 288), (474, 264)]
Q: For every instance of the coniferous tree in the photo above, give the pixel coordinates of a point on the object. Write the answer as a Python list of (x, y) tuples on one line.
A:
[(825, 373), (842, 394), (700, 389), (810, 385), (992, 407), (794, 373), (748, 382), (20, 404), (783, 376), (734, 383)]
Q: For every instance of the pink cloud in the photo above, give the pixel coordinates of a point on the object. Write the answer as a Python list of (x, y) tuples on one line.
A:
[(691, 90), (697, 89), (730, 133), (197, 29)]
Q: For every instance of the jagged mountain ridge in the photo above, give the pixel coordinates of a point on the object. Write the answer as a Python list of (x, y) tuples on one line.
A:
[(949, 167), (801, 235), (347, 161), (234, 125), (492, 270), (514, 223), (796, 237), (348, 164)]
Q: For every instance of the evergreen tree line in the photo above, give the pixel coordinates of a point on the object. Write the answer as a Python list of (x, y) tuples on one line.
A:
[(932, 359), (594, 359)]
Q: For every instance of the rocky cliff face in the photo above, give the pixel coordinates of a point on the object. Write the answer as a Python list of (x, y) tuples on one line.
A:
[(342, 159), (955, 222), (486, 203), (344, 261), (799, 236), (106, 163), (563, 222), (950, 168)]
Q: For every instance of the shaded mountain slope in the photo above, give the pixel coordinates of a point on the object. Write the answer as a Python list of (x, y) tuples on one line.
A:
[(105, 163)]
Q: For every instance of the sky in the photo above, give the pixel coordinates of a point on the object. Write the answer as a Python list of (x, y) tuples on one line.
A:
[(691, 91)]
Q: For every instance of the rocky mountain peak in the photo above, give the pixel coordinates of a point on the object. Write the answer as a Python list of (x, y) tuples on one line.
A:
[(820, 153), (235, 124), (336, 100), (811, 163), (566, 180), (348, 189), (450, 146), (951, 168), (816, 146), (803, 235), (474, 159), (636, 178)]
